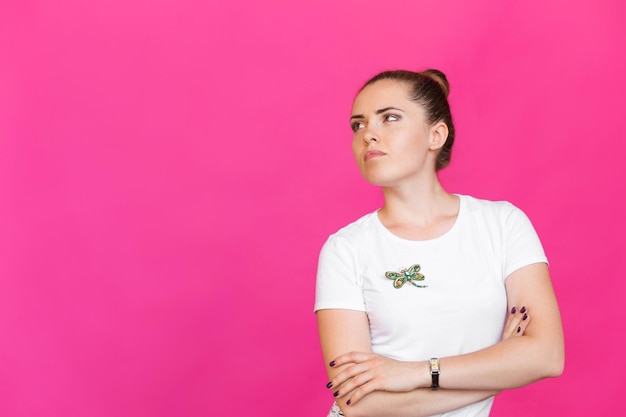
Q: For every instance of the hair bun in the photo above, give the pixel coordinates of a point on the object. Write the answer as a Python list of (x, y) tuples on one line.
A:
[(440, 77)]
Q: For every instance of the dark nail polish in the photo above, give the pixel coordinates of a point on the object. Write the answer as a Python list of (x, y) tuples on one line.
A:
[(329, 385), (513, 310), (525, 317), (523, 310), (335, 393), (348, 402), (519, 329), (332, 363)]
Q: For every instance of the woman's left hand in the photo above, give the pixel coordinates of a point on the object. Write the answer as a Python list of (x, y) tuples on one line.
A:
[(368, 372)]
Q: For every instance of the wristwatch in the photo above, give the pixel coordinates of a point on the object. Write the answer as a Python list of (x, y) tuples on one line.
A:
[(434, 373)]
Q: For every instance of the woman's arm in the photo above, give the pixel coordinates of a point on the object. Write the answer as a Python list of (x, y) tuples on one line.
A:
[(348, 331), (512, 363)]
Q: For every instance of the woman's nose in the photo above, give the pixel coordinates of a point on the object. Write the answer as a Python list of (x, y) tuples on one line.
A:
[(370, 136)]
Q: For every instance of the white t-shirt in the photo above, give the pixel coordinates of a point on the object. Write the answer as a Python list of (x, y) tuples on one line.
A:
[(453, 302)]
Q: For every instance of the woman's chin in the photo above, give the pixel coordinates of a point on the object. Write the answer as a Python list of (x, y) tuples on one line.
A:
[(379, 180)]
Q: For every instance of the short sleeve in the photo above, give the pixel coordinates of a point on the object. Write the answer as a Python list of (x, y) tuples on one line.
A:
[(338, 284), (522, 245)]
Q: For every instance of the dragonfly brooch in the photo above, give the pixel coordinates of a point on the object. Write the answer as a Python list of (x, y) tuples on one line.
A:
[(405, 275)]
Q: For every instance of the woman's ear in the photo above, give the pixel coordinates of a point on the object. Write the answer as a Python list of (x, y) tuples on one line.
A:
[(438, 136)]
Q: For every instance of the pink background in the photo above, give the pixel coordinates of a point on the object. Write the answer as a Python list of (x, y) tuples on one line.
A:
[(170, 169)]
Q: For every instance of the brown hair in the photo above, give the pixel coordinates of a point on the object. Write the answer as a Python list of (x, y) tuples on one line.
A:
[(429, 89)]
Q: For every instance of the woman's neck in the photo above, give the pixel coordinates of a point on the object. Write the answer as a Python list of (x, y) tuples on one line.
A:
[(419, 211)]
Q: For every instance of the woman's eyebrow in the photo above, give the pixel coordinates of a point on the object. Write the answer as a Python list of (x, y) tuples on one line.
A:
[(379, 111), (387, 109)]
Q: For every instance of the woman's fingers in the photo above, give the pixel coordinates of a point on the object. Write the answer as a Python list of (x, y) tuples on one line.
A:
[(358, 365), (357, 386), (362, 390), (352, 357), (516, 323), (367, 372)]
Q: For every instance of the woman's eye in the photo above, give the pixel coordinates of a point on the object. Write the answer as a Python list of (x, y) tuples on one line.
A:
[(357, 125), (391, 118)]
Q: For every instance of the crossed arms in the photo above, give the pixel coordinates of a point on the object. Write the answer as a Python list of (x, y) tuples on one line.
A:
[(367, 384)]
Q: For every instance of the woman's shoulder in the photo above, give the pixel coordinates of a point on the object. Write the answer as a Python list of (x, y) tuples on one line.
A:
[(488, 207), (357, 229), (500, 214), (350, 238)]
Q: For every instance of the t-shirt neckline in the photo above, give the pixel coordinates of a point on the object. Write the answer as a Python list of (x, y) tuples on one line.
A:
[(448, 232)]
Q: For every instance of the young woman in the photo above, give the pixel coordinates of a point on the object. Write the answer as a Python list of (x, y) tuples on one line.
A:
[(424, 306)]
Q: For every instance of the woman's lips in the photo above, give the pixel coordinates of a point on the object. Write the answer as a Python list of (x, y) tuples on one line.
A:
[(373, 154)]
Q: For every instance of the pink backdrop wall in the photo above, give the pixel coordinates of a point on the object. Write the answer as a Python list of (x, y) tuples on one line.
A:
[(170, 169)]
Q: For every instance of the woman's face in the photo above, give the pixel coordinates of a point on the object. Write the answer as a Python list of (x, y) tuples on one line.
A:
[(392, 142)]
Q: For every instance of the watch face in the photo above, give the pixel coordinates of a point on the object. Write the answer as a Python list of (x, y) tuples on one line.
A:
[(434, 365)]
